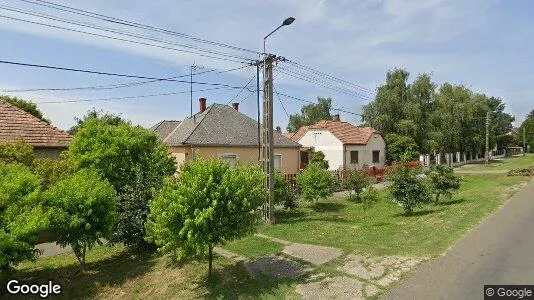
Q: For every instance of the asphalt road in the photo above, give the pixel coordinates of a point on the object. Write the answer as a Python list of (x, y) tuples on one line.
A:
[(499, 251)]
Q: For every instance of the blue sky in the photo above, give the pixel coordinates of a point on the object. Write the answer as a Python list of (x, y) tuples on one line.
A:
[(484, 44)]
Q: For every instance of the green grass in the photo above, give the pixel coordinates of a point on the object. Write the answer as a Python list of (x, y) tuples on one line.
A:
[(508, 163), (113, 273), (254, 247)]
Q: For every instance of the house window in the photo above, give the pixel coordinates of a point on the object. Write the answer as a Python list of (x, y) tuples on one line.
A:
[(278, 162), (353, 157), (376, 156), (231, 159)]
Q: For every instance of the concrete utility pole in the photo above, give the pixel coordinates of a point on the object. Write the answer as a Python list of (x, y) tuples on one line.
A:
[(258, 64), (487, 137), (191, 69)]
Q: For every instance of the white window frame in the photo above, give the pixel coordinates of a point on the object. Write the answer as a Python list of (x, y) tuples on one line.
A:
[(280, 155), (225, 156)]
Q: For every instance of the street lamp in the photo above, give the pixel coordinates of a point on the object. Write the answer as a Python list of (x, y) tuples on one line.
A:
[(268, 145)]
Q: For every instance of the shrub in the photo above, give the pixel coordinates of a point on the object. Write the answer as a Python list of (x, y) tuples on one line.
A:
[(408, 191), (18, 152), (51, 171), (355, 182), (318, 157), (443, 181), (134, 162), (283, 192), (21, 214), (400, 148), (369, 198), (210, 205), (83, 208), (315, 182)]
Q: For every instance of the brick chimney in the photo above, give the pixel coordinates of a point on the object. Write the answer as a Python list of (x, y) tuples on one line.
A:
[(235, 105), (336, 117), (202, 104)]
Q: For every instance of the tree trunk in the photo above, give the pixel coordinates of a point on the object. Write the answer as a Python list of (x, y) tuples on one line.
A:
[(437, 199), (210, 259)]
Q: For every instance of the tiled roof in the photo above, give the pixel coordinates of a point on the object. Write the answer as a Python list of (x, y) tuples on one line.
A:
[(343, 131), (18, 125), (163, 128), (218, 125)]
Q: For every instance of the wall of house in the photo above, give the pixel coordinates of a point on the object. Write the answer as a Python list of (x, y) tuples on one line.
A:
[(48, 152), (290, 157), (365, 153), (325, 141)]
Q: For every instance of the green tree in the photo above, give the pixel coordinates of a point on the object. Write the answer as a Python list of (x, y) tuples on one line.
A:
[(400, 148), (134, 161), (356, 181), (210, 205), (408, 191), (443, 181), (311, 114), (21, 214), (82, 212), (17, 152), (318, 157), (283, 192), (105, 117), (315, 182), (527, 129), (25, 105), (50, 171)]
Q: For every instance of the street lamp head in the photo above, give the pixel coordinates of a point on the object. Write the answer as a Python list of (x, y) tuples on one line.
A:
[(288, 21)]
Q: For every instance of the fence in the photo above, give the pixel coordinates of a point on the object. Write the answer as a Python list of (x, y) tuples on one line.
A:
[(462, 158)]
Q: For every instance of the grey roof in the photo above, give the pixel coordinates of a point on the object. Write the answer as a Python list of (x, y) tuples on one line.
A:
[(163, 128), (218, 125)]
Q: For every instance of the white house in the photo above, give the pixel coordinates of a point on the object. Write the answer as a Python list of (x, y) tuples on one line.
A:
[(345, 146)]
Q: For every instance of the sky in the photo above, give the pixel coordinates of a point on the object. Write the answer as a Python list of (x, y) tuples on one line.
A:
[(486, 45)]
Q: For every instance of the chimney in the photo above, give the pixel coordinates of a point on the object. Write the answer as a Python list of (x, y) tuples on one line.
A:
[(235, 105), (278, 129), (202, 103), (336, 117)]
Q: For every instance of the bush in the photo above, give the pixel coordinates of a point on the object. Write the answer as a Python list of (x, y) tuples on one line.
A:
[(134, 162), (369, 198), (51, 171), (18, 152), (355, 182), (83, 208), (210, 205), (315, 182), (400, 148), (283, 192), (443, 181), (408, 191), (21, 214), (318, 157)]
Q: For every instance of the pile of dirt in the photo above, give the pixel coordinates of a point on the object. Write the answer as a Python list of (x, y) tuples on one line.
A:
[(522, 172)]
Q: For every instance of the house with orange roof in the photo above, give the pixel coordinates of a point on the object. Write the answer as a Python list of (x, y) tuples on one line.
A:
[(346, 146)]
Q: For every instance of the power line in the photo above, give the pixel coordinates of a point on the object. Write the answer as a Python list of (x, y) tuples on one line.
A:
[(119, 39), (311, 102), (247, 97), (133, 24), (241, 90), (115, 86), (114, 74), (111, 30), (281, 103)]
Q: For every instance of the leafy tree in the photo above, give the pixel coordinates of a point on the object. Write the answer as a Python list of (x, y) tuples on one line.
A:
[(17, 152), (311, 114), (51, 171), (21, 214), (356, 182), (400, 148), (527, 128), (133, 160), (283, 192), (315, 182), (25, 105), (105, 117), (210, 205), (318, 157), (443, 181), (82, 211), (408, 191)]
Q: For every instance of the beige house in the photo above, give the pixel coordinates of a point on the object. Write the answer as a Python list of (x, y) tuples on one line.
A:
[(221, 131), (18, 125), (346, 147)]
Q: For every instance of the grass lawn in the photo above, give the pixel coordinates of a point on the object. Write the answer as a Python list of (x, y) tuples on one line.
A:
[(508, 163), (338, 222)]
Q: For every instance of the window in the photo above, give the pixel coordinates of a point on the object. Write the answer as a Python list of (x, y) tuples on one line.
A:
[(231, 159), (278, 162), (376, 156), (353, 157)]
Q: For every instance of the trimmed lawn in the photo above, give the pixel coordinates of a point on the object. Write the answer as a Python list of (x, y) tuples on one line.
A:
[(508, 163), (383, 230)]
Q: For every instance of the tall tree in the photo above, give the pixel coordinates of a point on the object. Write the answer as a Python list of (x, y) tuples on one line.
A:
[(106, 117), (527, 128), (311, 114), (25, 105)]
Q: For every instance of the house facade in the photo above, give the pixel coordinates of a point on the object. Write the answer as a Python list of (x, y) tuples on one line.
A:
[(221, 131), (346, 147), (17, 125)]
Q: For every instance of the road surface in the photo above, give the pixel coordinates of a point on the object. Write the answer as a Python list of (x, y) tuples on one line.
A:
[(499, 251)]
